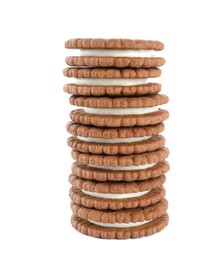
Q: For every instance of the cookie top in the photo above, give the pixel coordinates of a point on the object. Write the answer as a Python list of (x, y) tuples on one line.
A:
[(133, 146), (103, 73), (125, 161), (119, 102), (96, 43), (128, 120), (102, 90), (113, 132), (117, 62), (92, 173), (122, 216), (116, 187), (110, 201), (97, 231)]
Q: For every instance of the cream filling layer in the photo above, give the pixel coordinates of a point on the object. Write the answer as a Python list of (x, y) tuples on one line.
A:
[(109, 81), (117, 53), (113, 140), (115, 196), (124, 168), (120, 111), (120, 225)]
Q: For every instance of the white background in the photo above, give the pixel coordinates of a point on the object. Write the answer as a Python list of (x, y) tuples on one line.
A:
[(35, 160)]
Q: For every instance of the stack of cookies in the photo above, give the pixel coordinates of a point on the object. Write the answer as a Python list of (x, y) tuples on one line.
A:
[(119, 170)]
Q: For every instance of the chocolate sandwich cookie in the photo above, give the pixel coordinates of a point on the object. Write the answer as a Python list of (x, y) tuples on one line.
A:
[(125, 162), (119, 112), (112, 141), (116, 90), (121, 224), (111, 81), (114, 53), (92, 173), (123, 109), (116, 195)]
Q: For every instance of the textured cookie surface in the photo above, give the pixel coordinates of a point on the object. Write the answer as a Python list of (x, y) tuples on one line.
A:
[(119, 102), (92, 173), (117, 62), (152, 197), (151, 144), (90, 90), (126, 160), (97, 43), (155, 214), (121, 216), (116, 187), (87, 228), (114, 132), (81, 117), (111, 73), (154, 187)]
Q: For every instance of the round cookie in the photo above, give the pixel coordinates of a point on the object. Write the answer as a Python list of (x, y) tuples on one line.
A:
[(151, 144), (119, 102), (87, 228), (98, 43), (127, 162), (92, 173), (117, 62), (123, 216), (112, 73), (117, 90), (81, 117), (152, 197), (116, 195), (78, 130), (122, 224), (119, 109)]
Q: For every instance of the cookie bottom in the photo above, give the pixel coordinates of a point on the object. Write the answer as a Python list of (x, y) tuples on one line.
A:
[(90, 173), (100, 90), (87, 228), (152, 197), (81, 117), (118, 62)]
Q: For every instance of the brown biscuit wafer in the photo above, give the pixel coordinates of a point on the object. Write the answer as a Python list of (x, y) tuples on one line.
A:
[(92, 173), (126, 160), (79, 116), (115, 132), (96, 43), (111, 73), (135, 90), (151, 197), (117, 62), (155, 214), (119, 102), (115, 187), (151, 144)]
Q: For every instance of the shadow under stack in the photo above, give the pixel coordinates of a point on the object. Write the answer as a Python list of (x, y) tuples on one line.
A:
[(119, 154)]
